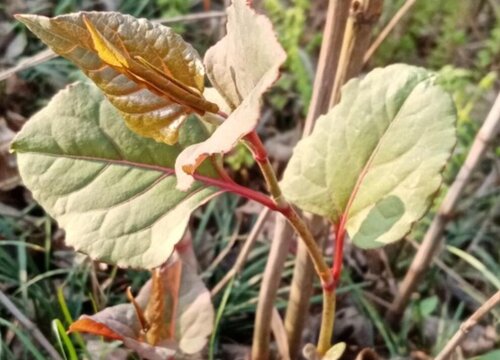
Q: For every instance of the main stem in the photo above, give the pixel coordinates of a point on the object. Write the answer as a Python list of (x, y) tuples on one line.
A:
[(300, 227)]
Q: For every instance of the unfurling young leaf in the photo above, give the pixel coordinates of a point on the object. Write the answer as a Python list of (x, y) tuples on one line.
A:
[(111, 190), (241, 66), (376, 158), (335, 352), (186, 305), (146, 70)]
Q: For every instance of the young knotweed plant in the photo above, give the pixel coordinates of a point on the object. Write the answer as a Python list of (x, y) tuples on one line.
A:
[(371, 166)]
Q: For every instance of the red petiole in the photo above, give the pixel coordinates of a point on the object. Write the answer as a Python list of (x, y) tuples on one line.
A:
[(338, 254)]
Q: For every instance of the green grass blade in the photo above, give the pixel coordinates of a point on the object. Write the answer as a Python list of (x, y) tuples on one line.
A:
[(24, 339), (476, 264), (63, 339), (220, 312), (68, 318)]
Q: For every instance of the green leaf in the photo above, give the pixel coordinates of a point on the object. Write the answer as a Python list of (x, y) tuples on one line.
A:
[(111, 190), (63, 340), (427, 306), (376, 158)]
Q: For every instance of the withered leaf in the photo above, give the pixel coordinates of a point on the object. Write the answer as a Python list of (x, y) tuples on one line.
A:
[(180, 319), (146, 70), (88, 325), (241, 66)]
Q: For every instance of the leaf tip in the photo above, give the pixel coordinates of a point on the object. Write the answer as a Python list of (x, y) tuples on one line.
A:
[(90, 326), (26, 18)]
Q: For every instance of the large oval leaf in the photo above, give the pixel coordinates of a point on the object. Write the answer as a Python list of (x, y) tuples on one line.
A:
[(111, 190), (377, 157), (146, 70)]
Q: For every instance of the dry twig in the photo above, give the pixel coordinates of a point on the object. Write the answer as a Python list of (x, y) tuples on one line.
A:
[(467, 326), (244, 252), (37, 59), (387, 29), (269, 288), (280, 335), (363, 16), (31, 327), (333, 34)]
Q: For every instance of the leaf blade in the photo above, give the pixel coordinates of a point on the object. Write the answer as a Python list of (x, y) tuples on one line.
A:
[(105, 46), (386, 145), (112, 191)]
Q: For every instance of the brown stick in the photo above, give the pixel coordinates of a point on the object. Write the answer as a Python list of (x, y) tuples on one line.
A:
[(363, 15), (40, 58), (270, 282), (467, 326), (32, 329), (301, 288), (388, 28), (464, 285), (244, 252), (336, 18), (280, 335), (432, 240)]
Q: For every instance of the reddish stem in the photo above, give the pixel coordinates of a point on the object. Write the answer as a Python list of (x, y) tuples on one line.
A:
[(338, 254), (242, 191), (258, 149)]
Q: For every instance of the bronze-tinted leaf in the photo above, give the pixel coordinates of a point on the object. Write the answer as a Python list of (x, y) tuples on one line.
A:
[(87, 325), (146, 70)]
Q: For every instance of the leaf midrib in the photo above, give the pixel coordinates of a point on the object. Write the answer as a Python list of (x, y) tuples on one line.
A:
[(345, 216), (167, 170)]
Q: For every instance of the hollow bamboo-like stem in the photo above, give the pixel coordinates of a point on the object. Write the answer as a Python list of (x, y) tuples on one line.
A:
[(245, 251), (269, 288), (403, 10), (302, 286), (363, 16)]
